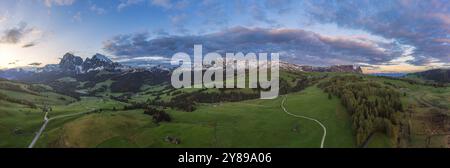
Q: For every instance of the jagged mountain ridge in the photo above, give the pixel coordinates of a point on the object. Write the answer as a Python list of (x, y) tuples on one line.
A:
[(87, 74), (72, 63), (68, 65), (69, 62), (99, 62)]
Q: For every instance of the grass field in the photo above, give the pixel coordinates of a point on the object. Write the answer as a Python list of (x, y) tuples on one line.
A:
[(18, 122), (251, 123), (254, 123), (314, 103)]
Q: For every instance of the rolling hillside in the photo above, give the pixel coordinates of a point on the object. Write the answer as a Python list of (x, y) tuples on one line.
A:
[(120, 119), (21, 110)]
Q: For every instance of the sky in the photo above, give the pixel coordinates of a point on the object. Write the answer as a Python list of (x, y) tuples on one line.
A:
[(380, 36)]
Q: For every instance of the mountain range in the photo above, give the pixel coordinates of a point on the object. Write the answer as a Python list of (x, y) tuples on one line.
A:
[(75, 65), (69, 65)]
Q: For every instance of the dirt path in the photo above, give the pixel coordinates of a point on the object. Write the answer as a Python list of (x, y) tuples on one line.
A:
[(46, 120), (308, 118), (367, 141)]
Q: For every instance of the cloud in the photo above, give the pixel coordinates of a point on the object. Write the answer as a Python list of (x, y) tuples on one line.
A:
[(97, 10), (22, 35), (77, 17), (16, 34), (3, 18), (50, 3), (294, 45), (422, 24), (146, 61), (35, 64), (29, 45), (160, 32), (126, 3)]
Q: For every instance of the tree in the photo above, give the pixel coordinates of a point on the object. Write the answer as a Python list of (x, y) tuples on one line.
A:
[(157, 115)]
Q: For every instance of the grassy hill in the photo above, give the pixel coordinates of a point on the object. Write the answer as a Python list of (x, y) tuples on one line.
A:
[(244, 123), (252, 123), (435, 75), (439, 77), (21, 113)]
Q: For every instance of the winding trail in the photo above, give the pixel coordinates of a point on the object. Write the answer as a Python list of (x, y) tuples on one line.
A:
[(308, 118), (46, 120), (38, 134)]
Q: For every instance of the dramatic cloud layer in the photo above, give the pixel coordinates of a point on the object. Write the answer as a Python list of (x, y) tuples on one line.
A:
[(385, 35), (294, 45), (425, 25), (21, 35)]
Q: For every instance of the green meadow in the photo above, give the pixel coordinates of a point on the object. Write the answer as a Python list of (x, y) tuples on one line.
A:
[(253, 123), (250, 123)]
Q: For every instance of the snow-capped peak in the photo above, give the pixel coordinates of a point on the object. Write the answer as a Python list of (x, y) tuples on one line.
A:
[(101, 58)]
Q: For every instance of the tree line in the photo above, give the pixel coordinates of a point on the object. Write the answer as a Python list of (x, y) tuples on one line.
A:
[(374, 107)]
